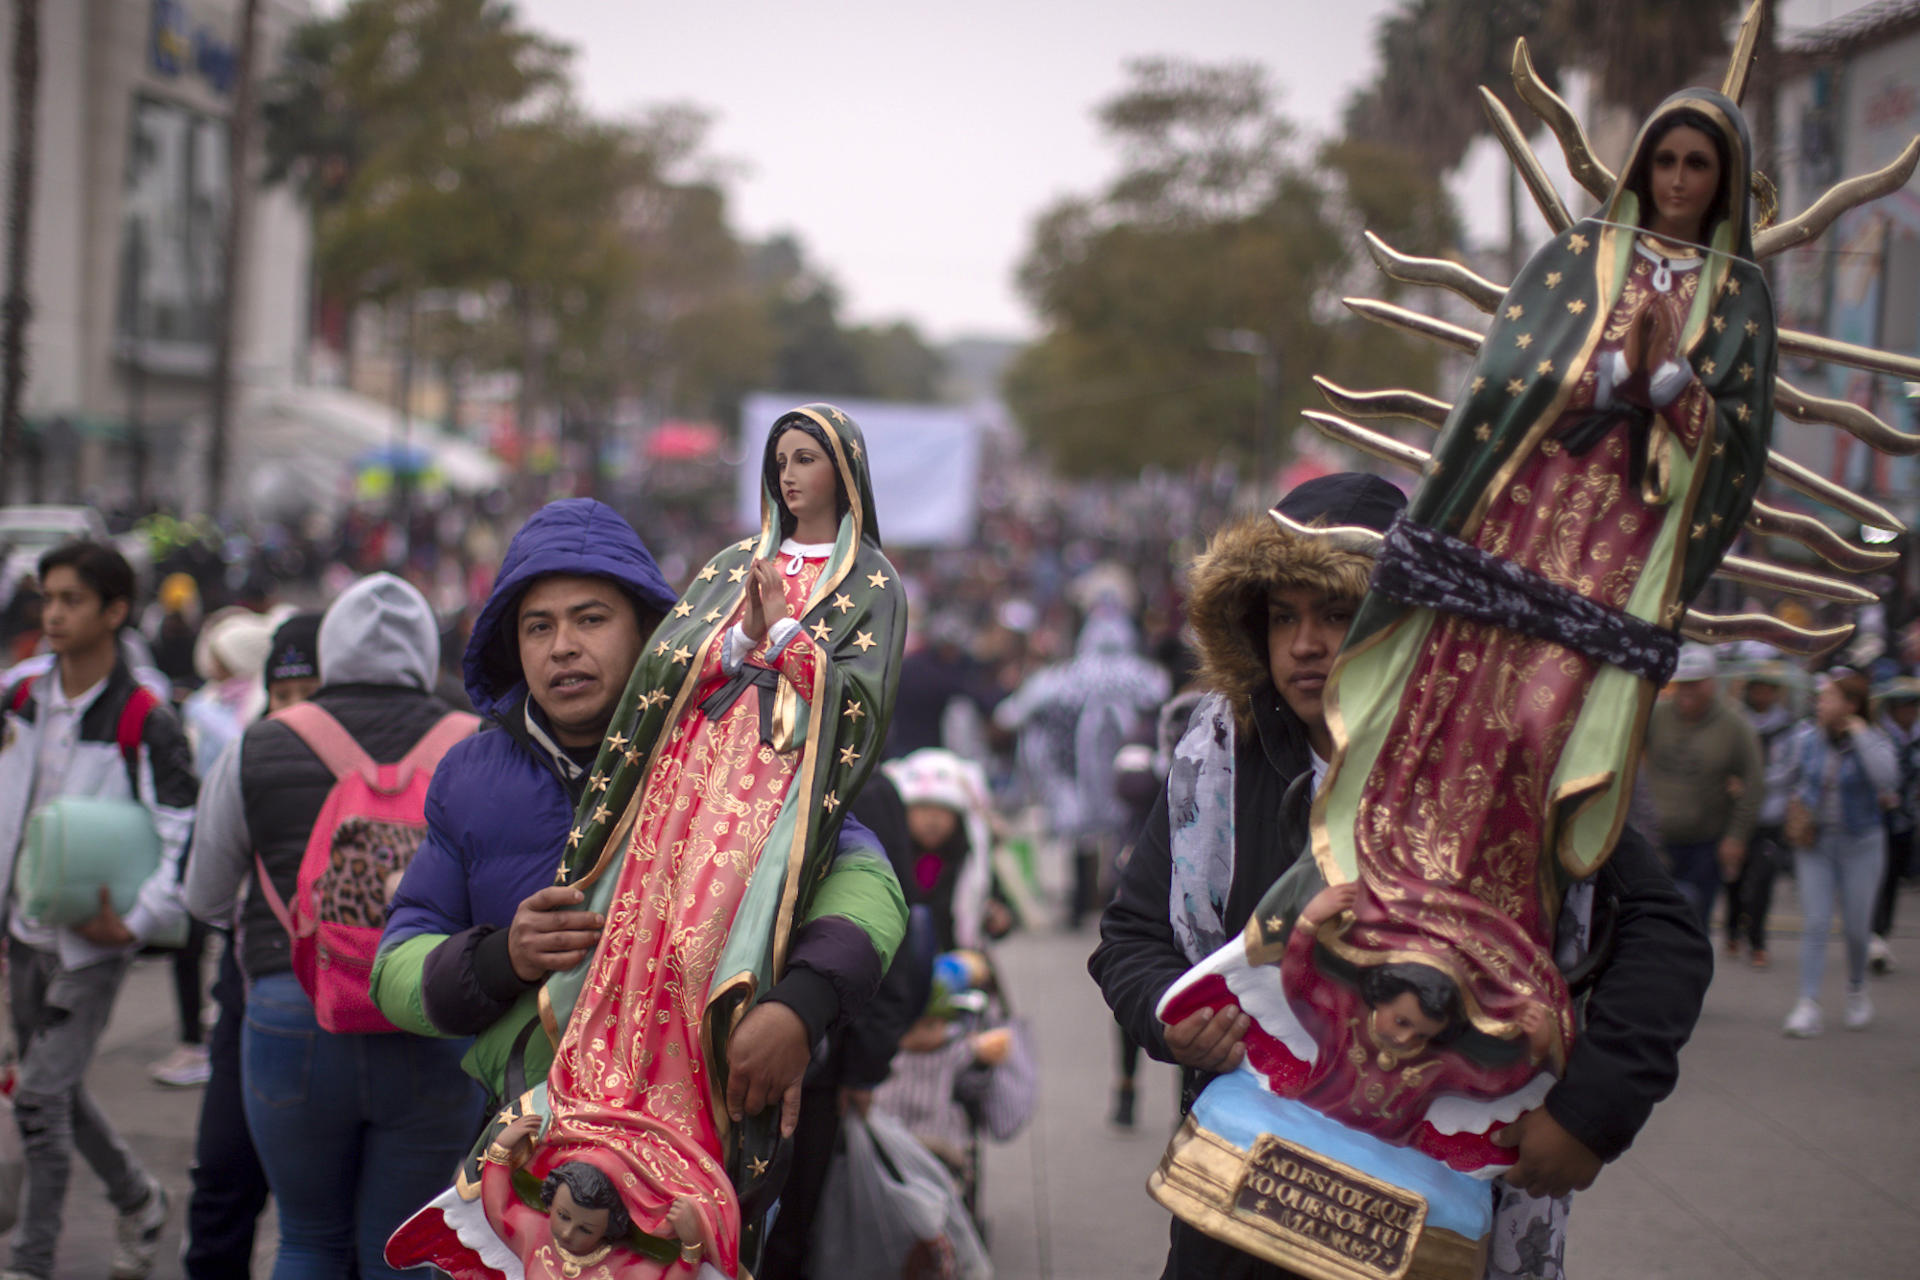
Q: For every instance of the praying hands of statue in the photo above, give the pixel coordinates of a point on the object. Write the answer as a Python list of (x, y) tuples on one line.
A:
[(766, 599), (1651, 342), (767, 1057), (519, 1133)]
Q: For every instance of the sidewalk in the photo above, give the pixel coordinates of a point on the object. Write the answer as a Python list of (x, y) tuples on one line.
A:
[(1776, 1158)]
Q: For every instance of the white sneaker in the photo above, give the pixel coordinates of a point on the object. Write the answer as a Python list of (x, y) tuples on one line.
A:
[(137, 1236), (1879, 955), (1804, 1022), (184, 1068), (1859, 1010)]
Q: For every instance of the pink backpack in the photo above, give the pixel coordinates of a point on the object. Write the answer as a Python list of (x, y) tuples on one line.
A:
[(366, 834)]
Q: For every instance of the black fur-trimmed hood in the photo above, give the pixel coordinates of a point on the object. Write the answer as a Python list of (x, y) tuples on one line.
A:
[(1230, 581)]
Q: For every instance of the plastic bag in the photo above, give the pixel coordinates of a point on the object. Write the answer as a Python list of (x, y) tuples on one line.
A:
[(888, 1205)]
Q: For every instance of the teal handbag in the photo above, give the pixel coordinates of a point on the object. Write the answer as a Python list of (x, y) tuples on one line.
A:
[(75, 844)]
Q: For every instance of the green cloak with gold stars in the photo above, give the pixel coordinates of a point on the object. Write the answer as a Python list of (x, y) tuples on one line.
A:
[(856, 614), (1544, 334)]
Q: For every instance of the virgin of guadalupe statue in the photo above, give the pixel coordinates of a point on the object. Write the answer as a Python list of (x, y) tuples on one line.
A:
[(1487, 708), (705, 838)]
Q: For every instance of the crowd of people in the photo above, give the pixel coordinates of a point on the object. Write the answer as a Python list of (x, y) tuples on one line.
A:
[(1043, 703)]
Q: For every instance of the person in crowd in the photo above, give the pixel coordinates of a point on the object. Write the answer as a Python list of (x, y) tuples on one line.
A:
[(1708, 779), (964, 1067), (174, 630), (854, 1058), (1270, 608), (1767, 701), (85, 727), (948, 863), (354, 1130), (229, 1186), (1843, 774), (936, 680), (229, 657), (1900, 721), (1073, 719), (747, 686)]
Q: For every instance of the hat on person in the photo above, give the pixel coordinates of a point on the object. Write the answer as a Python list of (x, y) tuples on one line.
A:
[(1697, 662), (1350, 509), (1322, 536), (295, 654), (235, 641), (1899, 689), (1772, 672)]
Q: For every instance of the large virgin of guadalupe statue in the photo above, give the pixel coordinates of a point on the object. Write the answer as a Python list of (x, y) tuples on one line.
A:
[(1486, 714), (707, 840)]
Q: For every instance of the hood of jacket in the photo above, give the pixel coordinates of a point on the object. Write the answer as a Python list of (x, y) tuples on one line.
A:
[(380, 631), (1229, 584), (572, 536)]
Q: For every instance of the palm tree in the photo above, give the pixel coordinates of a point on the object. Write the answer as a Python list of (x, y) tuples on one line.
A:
[(18, 306), (1640, 52)]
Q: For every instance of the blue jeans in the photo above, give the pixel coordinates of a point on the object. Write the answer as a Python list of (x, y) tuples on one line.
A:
[(1696, 873), (355, 1131), (1844, 867)]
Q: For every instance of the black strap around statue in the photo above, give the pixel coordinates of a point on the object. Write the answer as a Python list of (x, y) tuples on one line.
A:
[(750, 675), (1429, 569)]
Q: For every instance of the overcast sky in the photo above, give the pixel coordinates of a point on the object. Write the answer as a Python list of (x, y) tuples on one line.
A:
[(911, 145)]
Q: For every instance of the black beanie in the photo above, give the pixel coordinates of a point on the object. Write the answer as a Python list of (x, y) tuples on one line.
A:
[(295, 654), (1345, 498)]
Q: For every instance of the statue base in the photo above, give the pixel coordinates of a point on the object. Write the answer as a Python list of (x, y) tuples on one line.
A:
[(1278, 1180)]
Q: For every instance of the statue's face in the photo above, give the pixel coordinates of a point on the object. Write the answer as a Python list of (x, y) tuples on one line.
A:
[(806, 477), (575, 1230), (1684, 180), (1403, 1025)]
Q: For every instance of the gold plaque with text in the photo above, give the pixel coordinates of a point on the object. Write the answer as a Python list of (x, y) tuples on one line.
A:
[(1366, 1226)]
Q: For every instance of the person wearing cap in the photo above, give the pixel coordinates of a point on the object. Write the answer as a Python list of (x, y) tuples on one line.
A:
[(229, 1186), (1271, 600), (1703, 761), (1900, 721), (1750, 896)]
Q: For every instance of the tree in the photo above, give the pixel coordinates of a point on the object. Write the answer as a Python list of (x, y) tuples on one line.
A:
[(1642, 51), (1212, 227), (18, 307)]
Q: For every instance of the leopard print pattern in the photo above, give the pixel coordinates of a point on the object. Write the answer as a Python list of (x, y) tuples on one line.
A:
[(364, 866)]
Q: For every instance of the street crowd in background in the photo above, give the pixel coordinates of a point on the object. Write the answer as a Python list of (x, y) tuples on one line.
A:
[(1046, 680)]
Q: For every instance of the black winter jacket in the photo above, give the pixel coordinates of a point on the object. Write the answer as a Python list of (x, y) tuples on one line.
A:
[(1640, 1009)]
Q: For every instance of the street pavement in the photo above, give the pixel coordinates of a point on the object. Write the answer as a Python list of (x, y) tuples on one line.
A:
[(1775, 1158)]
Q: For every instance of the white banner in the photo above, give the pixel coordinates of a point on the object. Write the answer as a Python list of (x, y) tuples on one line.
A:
[(925, 460)]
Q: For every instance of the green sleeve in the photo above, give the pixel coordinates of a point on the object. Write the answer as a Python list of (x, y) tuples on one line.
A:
[(396, 982), (862, 888)]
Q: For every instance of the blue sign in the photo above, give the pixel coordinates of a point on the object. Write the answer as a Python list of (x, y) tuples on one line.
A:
[(179, 47)]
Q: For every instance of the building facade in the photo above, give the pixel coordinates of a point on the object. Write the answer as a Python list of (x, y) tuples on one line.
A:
[(130, 204)]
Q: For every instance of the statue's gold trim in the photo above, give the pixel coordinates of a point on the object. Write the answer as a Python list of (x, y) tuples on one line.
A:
[(1539, 185), (1438, 272), (1861, 424), (1718, 628), (1758, 573), (1397, 402), (1850, 353), (1745, 49), (1414, 322), (1384, 447), (1841, 499), (1197, 1180), (1842, 196), (1820, 539), (1553, 111)]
